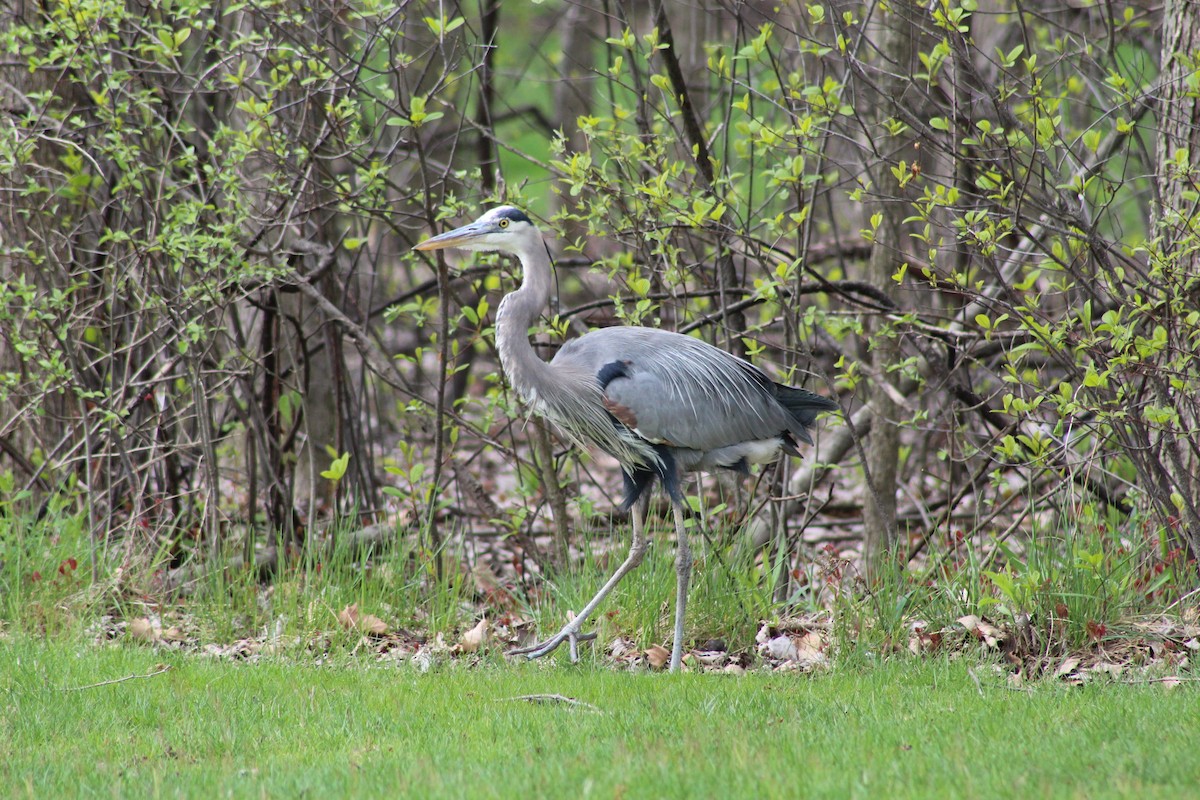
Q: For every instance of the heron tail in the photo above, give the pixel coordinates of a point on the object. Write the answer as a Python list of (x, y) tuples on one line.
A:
[(802, 404)]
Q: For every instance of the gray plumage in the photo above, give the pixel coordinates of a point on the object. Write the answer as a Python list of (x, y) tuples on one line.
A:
[(661, 403)]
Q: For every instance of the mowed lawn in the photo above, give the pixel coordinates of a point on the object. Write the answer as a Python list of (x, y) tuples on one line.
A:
[(906, 728)]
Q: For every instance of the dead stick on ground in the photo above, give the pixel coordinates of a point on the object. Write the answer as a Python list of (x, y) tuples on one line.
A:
[(555, 698), (158, 670), (975, 678)]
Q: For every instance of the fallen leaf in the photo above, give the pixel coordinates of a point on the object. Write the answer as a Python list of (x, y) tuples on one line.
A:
[(710, 658), (422, 659), (781, 648), (1109, 668), (657, 656), (1067, 666), (922, 641), (989, 633), (808, 650), (348, 616), (485, 579), (368, 624), (141, 628), (484, 576), (473, 639), (621, 647), (173, 634)]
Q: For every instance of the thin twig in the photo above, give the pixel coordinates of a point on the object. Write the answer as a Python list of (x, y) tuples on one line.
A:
[(1164, 679), (554, 698), (159, 670), (975, 678)]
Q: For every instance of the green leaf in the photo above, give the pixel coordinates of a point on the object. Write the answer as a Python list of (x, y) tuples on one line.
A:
[(440, 26), (337, 469)]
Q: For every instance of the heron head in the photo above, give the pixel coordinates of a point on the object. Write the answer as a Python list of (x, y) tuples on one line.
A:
[(506, 229)]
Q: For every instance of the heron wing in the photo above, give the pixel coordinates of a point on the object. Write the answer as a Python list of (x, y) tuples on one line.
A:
[(680, 391)]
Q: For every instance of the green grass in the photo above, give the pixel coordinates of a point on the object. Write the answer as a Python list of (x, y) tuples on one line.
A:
[(1076, 588), (905, 728), (724, 601)]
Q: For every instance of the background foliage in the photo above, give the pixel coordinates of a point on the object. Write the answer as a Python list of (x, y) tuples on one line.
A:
[(973, 222)]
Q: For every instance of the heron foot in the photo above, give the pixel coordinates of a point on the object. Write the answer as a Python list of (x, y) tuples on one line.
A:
[(570, 634)]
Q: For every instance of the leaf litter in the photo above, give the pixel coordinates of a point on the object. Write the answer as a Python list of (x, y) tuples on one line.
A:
[(1158, 649)]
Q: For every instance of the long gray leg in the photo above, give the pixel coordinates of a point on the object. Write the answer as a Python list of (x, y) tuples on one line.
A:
[(570, 631), (683, 573)]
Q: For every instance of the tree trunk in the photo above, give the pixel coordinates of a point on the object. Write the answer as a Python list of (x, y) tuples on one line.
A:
[(898, 33), (1177, 223)]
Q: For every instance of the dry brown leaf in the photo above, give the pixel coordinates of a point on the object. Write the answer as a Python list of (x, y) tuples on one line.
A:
[(173, 634), (657, 656), (141, 628), (1108, 668), (368, 624), (809, 649), (1067, 666), (621, 647), (348, 616), (780, 648), (711, 658), (923, 639), (485, 578), (989, 633), (473, 639)]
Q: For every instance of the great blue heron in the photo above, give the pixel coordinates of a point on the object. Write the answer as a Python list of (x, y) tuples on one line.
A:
[(661, 403)]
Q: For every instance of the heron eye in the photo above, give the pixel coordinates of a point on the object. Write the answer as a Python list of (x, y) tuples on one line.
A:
[(503, 223)]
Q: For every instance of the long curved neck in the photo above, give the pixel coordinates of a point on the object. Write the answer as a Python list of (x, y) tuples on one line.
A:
[(527, 373)]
